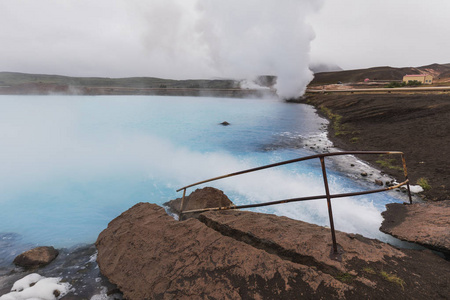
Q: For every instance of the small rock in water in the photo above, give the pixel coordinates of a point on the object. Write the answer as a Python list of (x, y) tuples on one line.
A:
[(364, 174), (37, 257), (378, 182), (352, 165), (225, 123)]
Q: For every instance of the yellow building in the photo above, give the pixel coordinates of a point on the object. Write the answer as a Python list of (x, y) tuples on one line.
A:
[(423, 78)]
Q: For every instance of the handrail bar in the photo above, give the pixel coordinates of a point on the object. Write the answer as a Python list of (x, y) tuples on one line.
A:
[(296, 199), (335, 253), (289, 162)]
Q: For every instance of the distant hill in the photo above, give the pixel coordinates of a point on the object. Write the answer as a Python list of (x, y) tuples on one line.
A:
[(14, 79), (436, 70), (39, 84), (379, 73)]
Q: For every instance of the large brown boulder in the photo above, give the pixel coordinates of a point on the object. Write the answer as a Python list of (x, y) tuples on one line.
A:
[(36, 257), (427, 224), (245, 255), (207, 197)]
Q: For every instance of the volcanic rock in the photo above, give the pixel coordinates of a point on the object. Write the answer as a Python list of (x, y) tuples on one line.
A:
[(427, 224), (245, 255), (35, 258), (201, 198)]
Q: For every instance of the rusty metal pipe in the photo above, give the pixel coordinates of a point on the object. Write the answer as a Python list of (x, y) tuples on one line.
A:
[(330, 211), (182, 204), (405, 170), (295, 200), (290, 162)]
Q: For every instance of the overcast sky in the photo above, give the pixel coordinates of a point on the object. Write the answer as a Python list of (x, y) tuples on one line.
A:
[(365, 33), (171, 38)]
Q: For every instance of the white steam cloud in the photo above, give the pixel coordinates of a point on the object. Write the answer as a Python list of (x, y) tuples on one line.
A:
[(178, 39), (235, 39)]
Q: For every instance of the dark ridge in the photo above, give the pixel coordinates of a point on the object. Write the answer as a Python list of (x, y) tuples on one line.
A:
[(267, 246), (14, 79)]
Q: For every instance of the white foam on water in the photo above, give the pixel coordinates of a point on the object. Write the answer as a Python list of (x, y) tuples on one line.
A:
[(35, 286), (103, 295), (416, 189)]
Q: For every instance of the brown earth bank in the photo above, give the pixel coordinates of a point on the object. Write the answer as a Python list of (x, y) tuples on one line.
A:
[(246, 255), (416, 124)]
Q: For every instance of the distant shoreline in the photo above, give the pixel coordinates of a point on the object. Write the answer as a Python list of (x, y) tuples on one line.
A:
[(37, 84), (98, 91)]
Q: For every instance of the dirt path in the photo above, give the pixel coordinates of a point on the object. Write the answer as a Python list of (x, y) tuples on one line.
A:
[(416, 124)]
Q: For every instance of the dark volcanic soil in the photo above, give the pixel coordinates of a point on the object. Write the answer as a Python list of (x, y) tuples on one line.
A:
[(416, 124)]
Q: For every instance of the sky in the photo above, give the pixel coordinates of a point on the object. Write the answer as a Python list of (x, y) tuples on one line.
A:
[(205, 38), (399, 33)]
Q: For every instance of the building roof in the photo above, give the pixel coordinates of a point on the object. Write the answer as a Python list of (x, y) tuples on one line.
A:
[(417, 75)]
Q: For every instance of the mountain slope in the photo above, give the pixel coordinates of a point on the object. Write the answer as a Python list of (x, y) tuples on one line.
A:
[(380, 73)]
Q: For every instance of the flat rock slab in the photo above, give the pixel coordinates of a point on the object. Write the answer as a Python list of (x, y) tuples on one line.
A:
[(245, 255), (36, 257), (427, 224), (308, 243)]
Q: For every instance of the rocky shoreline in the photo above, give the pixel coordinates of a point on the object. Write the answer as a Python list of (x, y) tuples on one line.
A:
[(416, 124)]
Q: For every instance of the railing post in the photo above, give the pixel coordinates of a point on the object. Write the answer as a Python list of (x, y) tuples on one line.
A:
[(330, 212), (406, 177), (181, 205)]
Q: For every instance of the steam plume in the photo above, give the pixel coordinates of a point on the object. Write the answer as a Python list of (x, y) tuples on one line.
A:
[(234, 39), (179, 39)]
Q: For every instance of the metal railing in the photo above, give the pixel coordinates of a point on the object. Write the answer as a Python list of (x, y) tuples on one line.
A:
[(328, 196)]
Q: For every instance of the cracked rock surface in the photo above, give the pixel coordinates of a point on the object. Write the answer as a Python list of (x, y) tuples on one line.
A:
[(246, 255), (427, 224)]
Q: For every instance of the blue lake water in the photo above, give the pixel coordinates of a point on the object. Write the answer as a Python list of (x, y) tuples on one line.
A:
[(70, 164)]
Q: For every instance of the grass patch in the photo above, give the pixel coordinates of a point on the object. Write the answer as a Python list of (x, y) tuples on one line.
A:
[(345, 277), (338, 127), (423, 182), (388, 163), (393, 278), (369, 270), (354, 140)]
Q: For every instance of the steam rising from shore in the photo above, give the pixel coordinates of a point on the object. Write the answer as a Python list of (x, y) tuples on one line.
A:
[(177, 39), (232, 39)]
